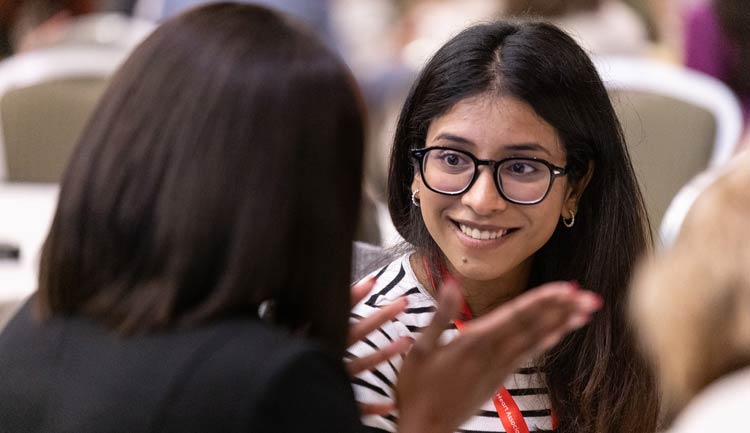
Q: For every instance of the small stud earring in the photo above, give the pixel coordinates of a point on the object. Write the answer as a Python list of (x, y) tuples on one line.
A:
[(415, 198)]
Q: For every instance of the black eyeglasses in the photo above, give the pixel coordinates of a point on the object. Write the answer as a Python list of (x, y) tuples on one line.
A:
[(518, 180)]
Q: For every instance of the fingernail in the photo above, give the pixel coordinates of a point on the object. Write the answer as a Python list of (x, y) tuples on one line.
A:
[(596, 300)]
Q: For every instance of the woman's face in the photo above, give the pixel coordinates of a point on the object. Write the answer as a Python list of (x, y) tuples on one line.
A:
[(492, 127)]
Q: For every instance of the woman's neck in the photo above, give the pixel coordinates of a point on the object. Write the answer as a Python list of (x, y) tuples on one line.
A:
[(484, 296), (480, 296)]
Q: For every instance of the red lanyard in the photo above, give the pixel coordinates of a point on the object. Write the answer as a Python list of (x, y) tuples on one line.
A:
[(507, 409)]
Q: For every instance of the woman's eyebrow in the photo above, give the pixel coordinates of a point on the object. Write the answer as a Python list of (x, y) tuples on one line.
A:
[(510, 147), (528, 147), (455, 139)]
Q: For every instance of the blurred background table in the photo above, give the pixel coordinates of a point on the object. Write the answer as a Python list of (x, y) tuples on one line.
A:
[(26, 212)]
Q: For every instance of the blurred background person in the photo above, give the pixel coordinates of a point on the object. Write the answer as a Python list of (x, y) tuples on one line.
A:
[(33, 24), (123, 6), (315, 14), (19, 17), (599, 26), (717, 43), (691, 306)]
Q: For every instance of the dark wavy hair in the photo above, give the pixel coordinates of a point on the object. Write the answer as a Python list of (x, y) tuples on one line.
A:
[(220, 170), (598, 381)]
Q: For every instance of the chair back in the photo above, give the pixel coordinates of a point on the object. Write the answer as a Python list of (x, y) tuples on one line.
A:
[(36, 153), (676, 124), (47, 94)]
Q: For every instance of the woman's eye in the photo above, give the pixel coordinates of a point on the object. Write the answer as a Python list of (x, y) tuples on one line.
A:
[(521, 168), (454, 159)]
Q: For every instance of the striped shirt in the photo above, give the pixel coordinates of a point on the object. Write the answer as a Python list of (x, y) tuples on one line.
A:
[(377, 385)]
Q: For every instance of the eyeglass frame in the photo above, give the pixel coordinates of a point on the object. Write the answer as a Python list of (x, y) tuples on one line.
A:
[(555, 171)]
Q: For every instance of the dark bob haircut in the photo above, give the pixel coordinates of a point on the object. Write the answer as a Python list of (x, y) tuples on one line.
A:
[(220, 170), (537, 63)]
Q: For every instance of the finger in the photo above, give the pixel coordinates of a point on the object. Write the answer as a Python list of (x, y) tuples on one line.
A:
[(370, 323), (553, 338), (531, 322), (548, 316), (568, 317), (519, 314), (376, 408), (589, 302), (361, 288), (369, 362), (449, 305)]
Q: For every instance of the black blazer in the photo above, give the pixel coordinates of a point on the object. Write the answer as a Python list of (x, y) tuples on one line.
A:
[(72, 375)]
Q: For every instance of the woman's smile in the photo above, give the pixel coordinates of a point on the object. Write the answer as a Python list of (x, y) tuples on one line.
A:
[(481, 235)]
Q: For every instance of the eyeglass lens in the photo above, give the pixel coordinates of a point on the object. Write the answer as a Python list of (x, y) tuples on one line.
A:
[(451, 172)]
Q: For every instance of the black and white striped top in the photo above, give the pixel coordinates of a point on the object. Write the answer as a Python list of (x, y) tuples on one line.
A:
[(377, 385)]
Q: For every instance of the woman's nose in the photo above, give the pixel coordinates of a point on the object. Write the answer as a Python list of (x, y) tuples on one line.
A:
[(483, 197)]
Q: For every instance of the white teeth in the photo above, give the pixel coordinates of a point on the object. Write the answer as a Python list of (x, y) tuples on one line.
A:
[(482, 235)]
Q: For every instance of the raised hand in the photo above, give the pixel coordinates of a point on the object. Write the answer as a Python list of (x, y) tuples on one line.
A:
[(440, 386), (360, 330)]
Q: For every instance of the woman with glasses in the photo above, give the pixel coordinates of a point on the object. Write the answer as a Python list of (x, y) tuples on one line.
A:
[(509, 170)]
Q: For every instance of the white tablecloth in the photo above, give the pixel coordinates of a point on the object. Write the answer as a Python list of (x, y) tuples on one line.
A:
[(26, 212)]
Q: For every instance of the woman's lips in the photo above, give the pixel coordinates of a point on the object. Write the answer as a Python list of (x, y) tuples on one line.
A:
[(482, 235), (475, 233)]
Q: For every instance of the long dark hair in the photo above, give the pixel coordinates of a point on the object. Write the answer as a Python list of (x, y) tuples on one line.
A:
[(598, 381), (221, 170), (734, 16)]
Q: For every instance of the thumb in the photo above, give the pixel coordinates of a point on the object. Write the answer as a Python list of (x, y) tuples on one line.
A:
[(450, 300)]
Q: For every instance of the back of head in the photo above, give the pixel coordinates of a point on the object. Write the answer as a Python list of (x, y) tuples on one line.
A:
[(220, 170), (692, 303)]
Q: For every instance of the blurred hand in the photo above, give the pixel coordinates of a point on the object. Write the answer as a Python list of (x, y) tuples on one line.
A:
[(441, 386), (362, 328)]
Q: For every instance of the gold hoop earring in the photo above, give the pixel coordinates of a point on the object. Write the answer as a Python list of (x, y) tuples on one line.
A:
[(569, 222), (414, 198)]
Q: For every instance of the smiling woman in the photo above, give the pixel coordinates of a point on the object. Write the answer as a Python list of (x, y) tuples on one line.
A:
[(495, 127), (509, 170)]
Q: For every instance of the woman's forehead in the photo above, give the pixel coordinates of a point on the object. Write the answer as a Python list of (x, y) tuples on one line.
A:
[(490, 121)]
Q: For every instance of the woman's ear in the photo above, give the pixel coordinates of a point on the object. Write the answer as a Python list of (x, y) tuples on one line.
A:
[(574, 192), (416, 183)]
